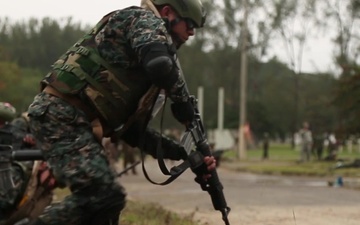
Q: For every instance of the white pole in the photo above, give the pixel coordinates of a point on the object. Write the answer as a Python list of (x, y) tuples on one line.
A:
[(243, 77), (200, 93), (221, 109)]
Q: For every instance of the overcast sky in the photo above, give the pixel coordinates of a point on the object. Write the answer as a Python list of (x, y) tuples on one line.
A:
[(317, 54)]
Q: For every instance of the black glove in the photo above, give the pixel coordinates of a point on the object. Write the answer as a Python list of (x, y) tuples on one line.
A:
[(183, 111)]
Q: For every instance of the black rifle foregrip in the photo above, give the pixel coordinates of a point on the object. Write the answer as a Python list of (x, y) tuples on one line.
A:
[(26, 155), (215, 190)]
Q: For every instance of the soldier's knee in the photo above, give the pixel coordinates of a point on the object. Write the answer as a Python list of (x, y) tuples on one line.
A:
[(36, 222), (110, 208)]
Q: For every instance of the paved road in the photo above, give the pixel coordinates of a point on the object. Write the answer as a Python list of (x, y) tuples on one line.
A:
[(254, 199)]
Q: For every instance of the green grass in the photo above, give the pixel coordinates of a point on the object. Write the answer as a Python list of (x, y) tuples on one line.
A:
[(285, 161), (139, 213)]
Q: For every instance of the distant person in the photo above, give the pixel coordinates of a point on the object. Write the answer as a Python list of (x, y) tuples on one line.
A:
[(318, 146), (306, 141), (129, 157), (266, 143), (112, 151), (331, 144)]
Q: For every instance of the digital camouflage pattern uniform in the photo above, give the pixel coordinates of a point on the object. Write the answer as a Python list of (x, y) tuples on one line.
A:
[(10, 199), (20, 172), (64, 131)]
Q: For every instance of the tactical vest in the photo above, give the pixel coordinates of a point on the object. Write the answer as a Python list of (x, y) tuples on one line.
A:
[(114, 93)]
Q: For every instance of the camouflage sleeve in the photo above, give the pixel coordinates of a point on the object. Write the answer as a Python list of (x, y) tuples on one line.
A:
[(145, 28), (139, 26), (20, 124), (126, 32), (171, 149)]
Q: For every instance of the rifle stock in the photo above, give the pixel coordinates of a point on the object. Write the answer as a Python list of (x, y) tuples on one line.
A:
[(213, 185)]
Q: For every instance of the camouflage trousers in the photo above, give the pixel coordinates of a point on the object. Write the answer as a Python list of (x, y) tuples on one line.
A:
[(78, 161)]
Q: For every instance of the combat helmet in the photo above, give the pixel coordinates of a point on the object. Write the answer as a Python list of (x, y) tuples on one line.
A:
[(7, 112), (191, 9)]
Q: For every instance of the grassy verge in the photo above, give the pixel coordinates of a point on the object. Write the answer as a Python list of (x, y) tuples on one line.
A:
[(284, 161), (138, 213)]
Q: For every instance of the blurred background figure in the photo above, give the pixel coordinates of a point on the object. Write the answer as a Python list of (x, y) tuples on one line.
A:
[(22, 122), (266, 143), (112, 151), (7, 113), (306, 142), (30, 188), (129, 156), (318, 145), (331, 143)]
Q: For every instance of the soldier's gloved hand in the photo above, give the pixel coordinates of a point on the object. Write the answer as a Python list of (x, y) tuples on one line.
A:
[(210, 163), (183, 111), (29, 141), (46, 177)]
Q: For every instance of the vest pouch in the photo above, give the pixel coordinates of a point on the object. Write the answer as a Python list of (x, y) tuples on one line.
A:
[(66, 82), (111, 117), (68, 76), (116, 95), (39, 107)]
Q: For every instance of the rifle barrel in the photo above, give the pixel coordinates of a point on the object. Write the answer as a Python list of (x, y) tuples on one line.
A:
[(26, 155)]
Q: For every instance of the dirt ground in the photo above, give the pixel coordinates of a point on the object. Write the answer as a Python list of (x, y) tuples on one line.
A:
[(254, 199)]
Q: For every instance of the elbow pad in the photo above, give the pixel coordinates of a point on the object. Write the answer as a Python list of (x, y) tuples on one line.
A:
[(159, 64)]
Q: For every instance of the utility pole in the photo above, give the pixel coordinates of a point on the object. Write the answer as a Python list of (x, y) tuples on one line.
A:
[(200, 93), (243, 81), (220, 123)]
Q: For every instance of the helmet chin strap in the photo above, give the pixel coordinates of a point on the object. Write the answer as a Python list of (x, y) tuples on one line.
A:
[(169, 26)]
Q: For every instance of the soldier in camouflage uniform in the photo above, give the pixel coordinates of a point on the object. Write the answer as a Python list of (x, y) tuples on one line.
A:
[(105, 85), (8, 198), (18, 203)]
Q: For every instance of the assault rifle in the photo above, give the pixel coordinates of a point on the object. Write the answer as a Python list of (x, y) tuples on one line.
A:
[(7, 155), (195, 134)]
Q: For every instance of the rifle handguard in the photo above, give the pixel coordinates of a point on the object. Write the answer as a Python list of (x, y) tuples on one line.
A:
[(197, 165)]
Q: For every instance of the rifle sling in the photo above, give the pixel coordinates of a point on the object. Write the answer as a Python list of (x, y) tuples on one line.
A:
[(174, 172)]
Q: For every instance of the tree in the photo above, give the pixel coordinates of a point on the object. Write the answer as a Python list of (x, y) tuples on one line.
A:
[(37, 43), (18, 86), (345, 17)]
